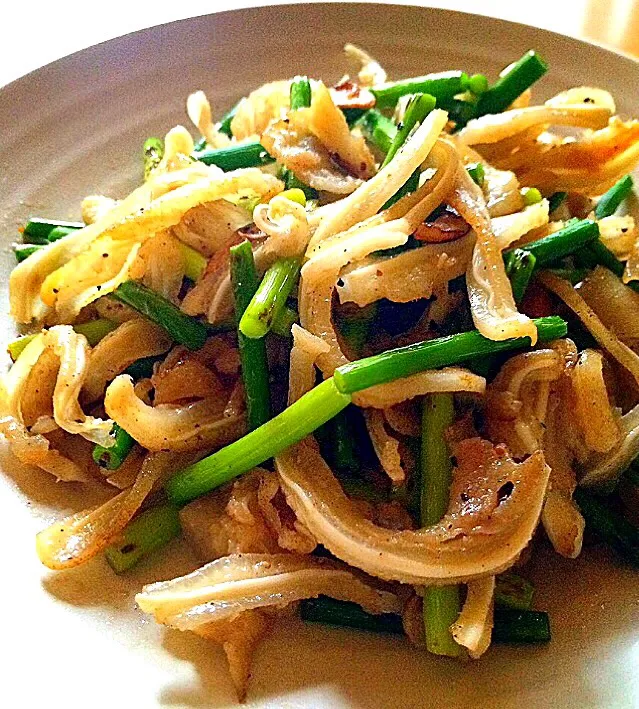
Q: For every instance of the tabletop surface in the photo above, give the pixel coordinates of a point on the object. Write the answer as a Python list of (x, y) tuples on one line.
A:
[(38, 32)]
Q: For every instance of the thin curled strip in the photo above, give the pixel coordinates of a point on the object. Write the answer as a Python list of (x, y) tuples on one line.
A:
[(511, 227), (473, 627), (130, 341), (72, 351), (604, 469), (608, 340), (614, 303), (326, 258), (240, 582), (79, 537), (255, 111), (598, 421), (489, 291), (407, 276), (433, 381), (199, 111), (517, 399), (166, 427), (34, 449), (497, 126), (371, 196), (286, 225), (28, 447), (371, 71), (304, 353), (386, 446), (479, 535)]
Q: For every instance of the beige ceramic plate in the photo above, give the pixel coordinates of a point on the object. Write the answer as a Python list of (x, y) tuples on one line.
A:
[(75, 639)]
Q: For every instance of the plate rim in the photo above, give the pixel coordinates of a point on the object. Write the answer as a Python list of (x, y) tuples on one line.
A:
[(252, 9)]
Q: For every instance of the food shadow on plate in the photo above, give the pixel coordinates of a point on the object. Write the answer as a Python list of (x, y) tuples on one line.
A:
[(43, 493), (352, 667), (96, 584), (213, 687)]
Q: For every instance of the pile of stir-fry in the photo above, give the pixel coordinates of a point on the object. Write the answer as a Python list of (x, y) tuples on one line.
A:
[(353, 346)]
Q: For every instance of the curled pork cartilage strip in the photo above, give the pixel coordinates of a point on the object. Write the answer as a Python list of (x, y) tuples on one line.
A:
[(319, 275), (371, 71), (286, 225), (497, 126), (489, 291), (291, 534), (561, 518), (511, 227), (599, 423), (473, 627), (199, 111), (14, 381), (407, 276), (501, 191), (255, 111), (72, 350), (328, 124), (498, 154), (304, 353), (442, 164), (371, 196), (584, 95), (316, 144), (604, 469), (220, 306), (92, 281), (130, 341), (29, 447), (517, 157), (327, 258), (34, 449), (607, 339), (57, 269), (292, 144), (517, 400), (239, 637), (563, 523), (433, 381), (248, 516), (240, 582), (210, 228), (386, 446), (592, 151), (178, 146), (162, 263), (479, 536), (588, 165), (196, 426), (79, 537)]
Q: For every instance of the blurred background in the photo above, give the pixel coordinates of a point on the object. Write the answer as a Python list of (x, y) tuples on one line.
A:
[(38, 32)]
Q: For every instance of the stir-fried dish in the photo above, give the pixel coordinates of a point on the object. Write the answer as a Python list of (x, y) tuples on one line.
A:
[(357, 346)]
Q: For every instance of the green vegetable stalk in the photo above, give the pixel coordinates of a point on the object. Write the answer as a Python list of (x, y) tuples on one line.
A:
[(180, 327), (432, 354), (151, 530), (252, 352), (270, 297), (308, 413), (441, 603)]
